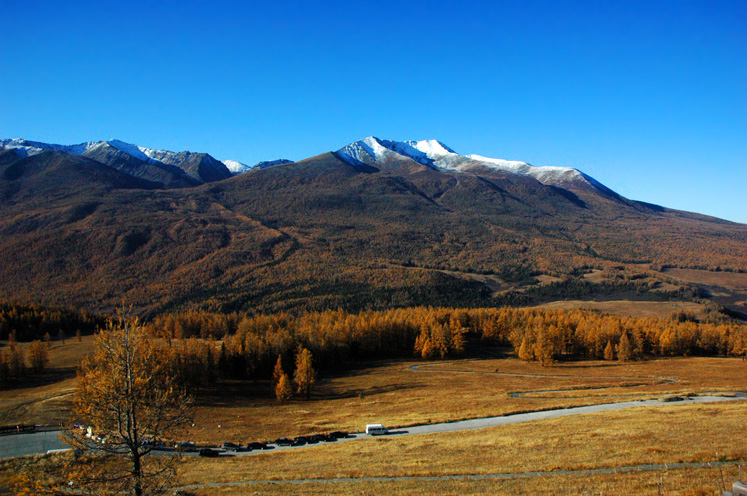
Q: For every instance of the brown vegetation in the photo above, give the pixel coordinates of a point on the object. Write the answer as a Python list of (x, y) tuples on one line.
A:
[(320, 234)]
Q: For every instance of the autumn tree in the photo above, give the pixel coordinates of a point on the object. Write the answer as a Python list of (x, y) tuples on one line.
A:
[(543, 349), (16, 360), (127, 393), (284, 388), (625, 348), (278, 371), (38, 356), (609, 351), (526, 350), (305, 375)]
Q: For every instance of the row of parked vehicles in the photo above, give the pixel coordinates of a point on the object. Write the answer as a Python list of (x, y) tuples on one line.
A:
[(190, 446), (283, 441)]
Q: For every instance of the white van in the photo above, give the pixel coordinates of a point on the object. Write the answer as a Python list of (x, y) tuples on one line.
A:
[(376, 430)]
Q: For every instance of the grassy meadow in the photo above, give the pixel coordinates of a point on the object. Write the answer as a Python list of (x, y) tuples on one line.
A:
[(546, 456)]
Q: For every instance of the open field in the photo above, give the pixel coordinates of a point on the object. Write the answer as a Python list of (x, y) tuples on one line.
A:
[(606, 440), (586, 454), (398, 393), (629, 308), (686, 482), (648, 435), (45, 399), (514, 459), (393, 393), (726, 288), (728, 280)]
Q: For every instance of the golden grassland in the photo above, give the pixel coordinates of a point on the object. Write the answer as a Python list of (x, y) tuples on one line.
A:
[(647, 435), (685, 482), (728, 280), (629, 308), (396, 395), (392, 393), (46, 399)]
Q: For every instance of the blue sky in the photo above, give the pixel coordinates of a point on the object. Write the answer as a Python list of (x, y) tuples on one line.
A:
[(649, 97)]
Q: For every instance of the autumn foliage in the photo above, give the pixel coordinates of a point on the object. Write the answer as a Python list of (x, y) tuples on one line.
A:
[(252, 344)]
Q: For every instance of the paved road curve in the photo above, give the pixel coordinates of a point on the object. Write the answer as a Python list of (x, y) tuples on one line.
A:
[(28, 444), (32, 443)]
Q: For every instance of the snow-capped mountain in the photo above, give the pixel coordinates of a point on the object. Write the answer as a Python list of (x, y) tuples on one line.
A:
[(236, 167), (27, 148), (432, 153), (180, 169), (239, 168), (171, 169)]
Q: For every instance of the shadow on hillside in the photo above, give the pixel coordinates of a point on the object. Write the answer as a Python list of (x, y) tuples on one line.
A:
[(236, 393), (47, 377)]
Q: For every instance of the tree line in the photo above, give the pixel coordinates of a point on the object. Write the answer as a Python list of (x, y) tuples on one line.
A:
[(251, 345), (27, 322)]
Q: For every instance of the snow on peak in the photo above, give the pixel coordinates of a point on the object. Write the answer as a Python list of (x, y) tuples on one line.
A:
[(365, 150), (236, 167), (546, 174), (513, 165), (239, 168), (432, 148), (139, 152), (26, 148), (270, 163), (433, 153)]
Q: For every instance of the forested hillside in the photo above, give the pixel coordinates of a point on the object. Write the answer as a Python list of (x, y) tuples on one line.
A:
[(324, 234)]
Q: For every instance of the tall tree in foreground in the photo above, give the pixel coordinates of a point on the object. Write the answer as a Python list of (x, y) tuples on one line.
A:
[(126, 393), (305, 375)]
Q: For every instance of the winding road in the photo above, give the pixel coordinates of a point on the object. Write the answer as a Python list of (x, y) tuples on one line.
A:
[(41, 442)]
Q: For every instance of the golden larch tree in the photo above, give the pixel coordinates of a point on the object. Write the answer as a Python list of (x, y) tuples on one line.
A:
[(625, 348), (127, 394), (284, 388), (609, 351), (305, 375)]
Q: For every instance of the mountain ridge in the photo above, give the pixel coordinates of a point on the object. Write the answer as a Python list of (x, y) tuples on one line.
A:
[(325, 232), (370, 151)]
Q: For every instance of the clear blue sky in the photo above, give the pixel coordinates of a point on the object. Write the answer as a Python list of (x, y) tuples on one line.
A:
[(649, 97)]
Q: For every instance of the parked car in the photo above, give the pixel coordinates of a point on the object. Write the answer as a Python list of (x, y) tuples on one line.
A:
[(283, 441), (317, 438), (338, 434), (230, 446), (299, 441), (256, 445), (209, 452)]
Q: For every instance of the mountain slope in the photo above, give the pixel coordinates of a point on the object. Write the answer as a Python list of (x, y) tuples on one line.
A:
[(170, 169), (386, 228)]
